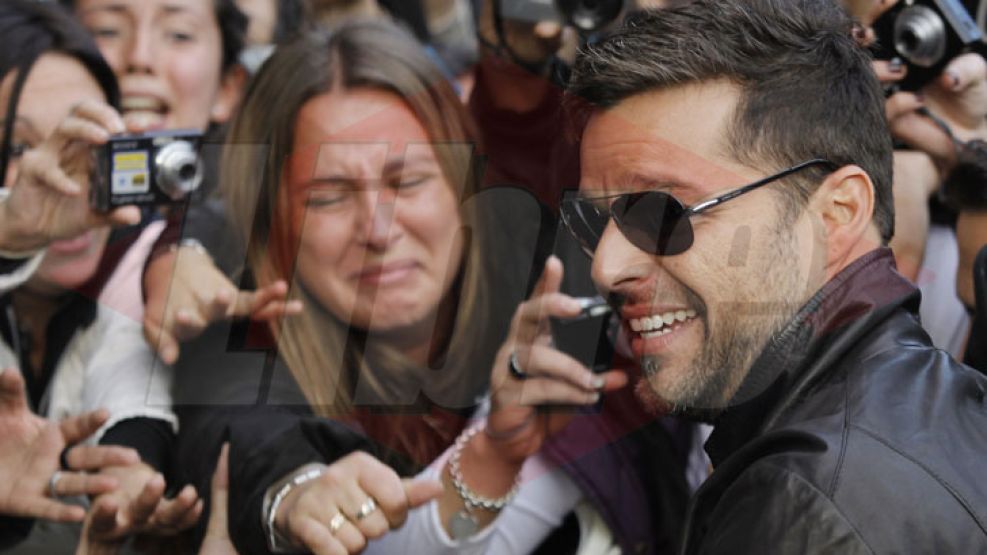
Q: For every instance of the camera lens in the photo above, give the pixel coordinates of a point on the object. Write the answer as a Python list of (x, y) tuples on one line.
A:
[(188, 172), (179, 169), (920, 36), (590, 15)]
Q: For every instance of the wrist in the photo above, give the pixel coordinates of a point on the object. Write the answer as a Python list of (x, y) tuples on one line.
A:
[(278, 499)]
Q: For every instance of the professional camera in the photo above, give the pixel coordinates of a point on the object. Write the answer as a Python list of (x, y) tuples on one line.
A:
[(926, 35), (160, 167), (587, 16)]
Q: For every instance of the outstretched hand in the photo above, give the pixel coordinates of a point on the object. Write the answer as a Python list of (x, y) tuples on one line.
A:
[(186, 293), (30, 447)]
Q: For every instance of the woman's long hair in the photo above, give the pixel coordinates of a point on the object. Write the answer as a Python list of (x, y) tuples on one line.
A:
[(335, 364)]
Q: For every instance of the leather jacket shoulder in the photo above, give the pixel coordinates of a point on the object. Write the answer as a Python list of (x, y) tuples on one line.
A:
[(875, 444)]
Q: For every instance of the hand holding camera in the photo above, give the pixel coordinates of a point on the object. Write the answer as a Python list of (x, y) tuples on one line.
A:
[(50, 198)]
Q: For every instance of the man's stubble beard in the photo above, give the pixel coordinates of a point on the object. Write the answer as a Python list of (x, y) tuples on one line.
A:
[(734, 341)]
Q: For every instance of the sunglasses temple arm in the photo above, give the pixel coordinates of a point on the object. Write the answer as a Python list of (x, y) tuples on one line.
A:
[(703, 206)]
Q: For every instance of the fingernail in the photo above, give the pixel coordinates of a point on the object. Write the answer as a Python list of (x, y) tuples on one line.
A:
[(954, 79), (595, 398), (598, 382), (895, 65)]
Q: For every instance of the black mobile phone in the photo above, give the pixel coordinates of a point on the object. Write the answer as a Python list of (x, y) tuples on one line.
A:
[(589, 337)]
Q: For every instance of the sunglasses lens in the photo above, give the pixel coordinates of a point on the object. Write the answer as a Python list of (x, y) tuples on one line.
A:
[(586, 222), (654, 222)]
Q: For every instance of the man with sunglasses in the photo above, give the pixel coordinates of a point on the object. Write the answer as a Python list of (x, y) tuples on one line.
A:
[(735, 197)]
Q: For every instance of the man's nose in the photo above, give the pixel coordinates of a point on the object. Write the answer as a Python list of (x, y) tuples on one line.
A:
[(616, 262)]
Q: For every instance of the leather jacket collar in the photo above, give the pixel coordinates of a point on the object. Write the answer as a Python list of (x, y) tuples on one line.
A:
[(830, 323)]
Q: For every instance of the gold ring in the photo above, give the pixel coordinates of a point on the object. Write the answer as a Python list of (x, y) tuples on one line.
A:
[(336, 523), (368, 507)]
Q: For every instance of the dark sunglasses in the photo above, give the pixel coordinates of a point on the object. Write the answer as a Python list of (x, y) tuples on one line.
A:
[(653, 221)]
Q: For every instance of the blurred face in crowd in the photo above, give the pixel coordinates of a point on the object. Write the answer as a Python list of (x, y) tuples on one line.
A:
[(263, 16), (375, 218), (744, 276), (55, 84), (167, 55)]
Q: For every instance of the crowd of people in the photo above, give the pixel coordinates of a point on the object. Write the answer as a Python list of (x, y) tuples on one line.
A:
[(348, 338)]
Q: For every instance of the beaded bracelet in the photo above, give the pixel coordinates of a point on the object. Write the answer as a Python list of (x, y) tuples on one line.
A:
[(463, 523)]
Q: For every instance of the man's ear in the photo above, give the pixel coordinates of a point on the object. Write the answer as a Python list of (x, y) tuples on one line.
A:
[(229, 94), (845, 203)]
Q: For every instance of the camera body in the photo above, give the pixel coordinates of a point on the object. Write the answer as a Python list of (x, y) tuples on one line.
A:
[(926, 35), (587, 16), (148, 169), (590, 336)]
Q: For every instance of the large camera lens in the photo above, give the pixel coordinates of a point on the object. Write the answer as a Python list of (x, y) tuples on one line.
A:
[(590, 15), (920, 36), (179, 169)]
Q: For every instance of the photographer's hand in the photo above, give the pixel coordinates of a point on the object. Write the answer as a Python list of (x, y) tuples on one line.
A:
[(49, 200), (186, 293)]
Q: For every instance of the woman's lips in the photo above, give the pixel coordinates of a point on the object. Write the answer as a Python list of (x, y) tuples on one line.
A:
[(75, 245), (387, 274)]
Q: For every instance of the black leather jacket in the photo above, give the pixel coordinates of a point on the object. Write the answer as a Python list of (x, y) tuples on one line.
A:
[(863, 437)]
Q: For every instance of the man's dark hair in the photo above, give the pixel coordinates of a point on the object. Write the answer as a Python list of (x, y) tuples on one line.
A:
[(232, 28), (807, 87)]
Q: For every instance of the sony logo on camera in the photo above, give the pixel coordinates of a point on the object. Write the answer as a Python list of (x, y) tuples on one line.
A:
[(154, 168)]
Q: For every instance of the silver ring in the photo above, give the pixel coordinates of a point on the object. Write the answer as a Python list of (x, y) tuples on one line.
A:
[(368, 507), (336, 523), (53, 483), (515, 369)]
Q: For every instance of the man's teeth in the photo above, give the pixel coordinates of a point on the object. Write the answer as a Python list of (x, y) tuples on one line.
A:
[(660, 324)]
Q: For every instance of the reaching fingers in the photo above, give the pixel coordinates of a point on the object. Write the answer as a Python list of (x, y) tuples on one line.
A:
[(12, 396), (277, 309), (77, 428), (161, 340), (218, 305), (95, 457), (188, 323), (217, 525), (250, 302), (143, 507), (49, 509), (103, 518), (71, 484), (180, 513)]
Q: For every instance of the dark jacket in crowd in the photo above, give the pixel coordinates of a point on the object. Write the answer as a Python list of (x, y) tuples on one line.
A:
[(228, 389), (864, 438)]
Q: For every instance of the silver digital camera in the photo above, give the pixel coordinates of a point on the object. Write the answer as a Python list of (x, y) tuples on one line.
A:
[(148, 169), (926, 35)]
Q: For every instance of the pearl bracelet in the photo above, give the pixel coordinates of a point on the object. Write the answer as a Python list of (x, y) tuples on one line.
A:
[(470, 498)]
